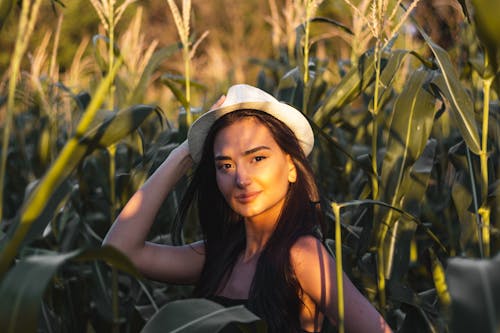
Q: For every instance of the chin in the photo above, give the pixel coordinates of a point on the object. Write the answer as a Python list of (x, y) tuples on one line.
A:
[(245, 212)]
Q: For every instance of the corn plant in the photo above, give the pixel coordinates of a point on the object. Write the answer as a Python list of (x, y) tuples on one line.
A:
[(61, 205), (27, 21), (407, 151), (182, 23), (385, 232)]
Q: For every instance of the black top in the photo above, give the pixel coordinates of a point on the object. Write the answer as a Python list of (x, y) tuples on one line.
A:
[(228, 302)]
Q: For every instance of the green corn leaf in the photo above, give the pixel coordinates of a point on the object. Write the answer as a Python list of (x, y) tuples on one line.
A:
[(474, 286), (316, 89), (333, 23), (22, 289), (37, 201), (201, 315), (101, 60), (351, 85), (401, 292), (58, 198), (82, 99), (179, 79), (460, 102), (331, 151), (101, 116), (135, 141), (387, 76), (118, 126), (406, 215), (21, 295), (411, 124), (466, 195), (300, 30), (416, 181), (110, 131), (158, 57), (299, 37), (291, 88), (266, 82), (416, 320), (414, 187), (465, 231), (462, 110), (111, 256), (421, 315), (171, 82), (439, 278)]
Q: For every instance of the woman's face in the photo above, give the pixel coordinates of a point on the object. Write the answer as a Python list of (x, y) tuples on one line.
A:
[(252, 171)]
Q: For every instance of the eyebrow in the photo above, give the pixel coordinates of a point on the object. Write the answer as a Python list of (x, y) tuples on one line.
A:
[(246, 153)]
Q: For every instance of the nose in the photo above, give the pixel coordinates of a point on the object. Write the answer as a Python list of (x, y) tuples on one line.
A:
[(243, 179)]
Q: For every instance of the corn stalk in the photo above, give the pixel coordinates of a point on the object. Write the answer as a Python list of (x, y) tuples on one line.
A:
[(182, 25), (484, 211), (29, 14), (339, 270), (109, 15), (311, 6), (34, 205)]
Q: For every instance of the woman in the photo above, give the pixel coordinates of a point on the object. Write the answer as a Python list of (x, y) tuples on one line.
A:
[(259, 213)]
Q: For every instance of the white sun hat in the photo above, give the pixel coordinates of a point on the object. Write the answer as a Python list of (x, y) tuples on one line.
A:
[(243, 96)]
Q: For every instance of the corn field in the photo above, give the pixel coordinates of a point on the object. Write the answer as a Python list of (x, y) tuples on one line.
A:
[(407, 153)]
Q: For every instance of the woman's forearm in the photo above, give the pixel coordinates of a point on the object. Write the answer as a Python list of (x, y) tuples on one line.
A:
[(130, 229)]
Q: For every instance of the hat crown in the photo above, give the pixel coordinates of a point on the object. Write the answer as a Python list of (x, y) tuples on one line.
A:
[(241, 97), (242, 93)]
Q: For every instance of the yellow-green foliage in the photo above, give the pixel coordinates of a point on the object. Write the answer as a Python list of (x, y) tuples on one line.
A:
[(406, 156)]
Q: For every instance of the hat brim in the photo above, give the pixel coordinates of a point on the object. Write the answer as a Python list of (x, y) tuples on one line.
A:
[(293, 118)]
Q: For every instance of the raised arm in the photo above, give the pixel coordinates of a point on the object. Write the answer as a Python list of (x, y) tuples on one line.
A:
[(174, 264), (316, 273)]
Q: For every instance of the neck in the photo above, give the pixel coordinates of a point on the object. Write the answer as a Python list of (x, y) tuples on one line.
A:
[(257, 235), (259, 229)]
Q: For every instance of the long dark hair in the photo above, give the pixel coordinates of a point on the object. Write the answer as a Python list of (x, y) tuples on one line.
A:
[(275, 292)]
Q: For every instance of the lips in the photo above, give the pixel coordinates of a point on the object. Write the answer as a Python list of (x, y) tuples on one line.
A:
[(247, 196)]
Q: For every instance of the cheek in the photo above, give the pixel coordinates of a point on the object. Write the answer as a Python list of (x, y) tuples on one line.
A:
[(222, 184), (278, 175)]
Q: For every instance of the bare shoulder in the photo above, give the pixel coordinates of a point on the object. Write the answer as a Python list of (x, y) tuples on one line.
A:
[(305, 249), (311, 261), (316, 272), (306, 241)]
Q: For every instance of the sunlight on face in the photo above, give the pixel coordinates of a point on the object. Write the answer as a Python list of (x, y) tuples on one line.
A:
[(252, 171)]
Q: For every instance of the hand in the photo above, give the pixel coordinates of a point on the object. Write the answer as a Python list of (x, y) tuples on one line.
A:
[(183, 149), (180, 156), (218, 103)]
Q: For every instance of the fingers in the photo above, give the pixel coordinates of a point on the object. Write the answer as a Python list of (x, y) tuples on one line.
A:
[(219, 102)]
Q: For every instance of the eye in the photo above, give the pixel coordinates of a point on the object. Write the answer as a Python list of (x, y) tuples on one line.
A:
[(224, 166), (259, 158)]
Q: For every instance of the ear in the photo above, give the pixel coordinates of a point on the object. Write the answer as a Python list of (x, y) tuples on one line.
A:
[(292, 170)]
